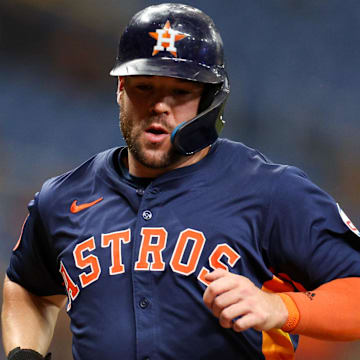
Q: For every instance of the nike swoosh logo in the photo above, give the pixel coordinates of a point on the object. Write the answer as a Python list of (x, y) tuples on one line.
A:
[(75, 208)]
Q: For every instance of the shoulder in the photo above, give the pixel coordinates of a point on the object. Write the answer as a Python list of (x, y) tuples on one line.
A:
[(247, 162), (76, 181), (238, 150), (293, 183), (279, 185), (304, 204)]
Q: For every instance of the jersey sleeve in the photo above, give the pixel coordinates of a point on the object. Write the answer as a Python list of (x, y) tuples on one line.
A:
[(33, 263), (306, 234)]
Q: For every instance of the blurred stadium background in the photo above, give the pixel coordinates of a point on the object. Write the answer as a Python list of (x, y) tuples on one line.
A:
[(295, 79)]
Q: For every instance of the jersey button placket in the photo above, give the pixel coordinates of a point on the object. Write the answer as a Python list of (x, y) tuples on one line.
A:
[(144, 303), (140, 191), (142, 280), (147, 215)]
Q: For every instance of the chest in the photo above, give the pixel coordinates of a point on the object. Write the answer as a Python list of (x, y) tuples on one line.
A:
[(167, 232)]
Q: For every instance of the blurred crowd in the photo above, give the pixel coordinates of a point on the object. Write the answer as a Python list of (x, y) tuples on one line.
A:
[(295, 87)]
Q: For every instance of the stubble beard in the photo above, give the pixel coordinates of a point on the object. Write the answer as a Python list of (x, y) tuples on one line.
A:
[(132, 138)]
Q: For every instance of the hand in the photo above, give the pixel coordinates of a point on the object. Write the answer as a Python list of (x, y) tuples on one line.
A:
[(240, 305)]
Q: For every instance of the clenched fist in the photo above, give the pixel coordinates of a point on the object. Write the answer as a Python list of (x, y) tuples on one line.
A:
[(240, 305)]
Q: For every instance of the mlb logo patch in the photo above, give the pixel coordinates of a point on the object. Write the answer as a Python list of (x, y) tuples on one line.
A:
[(166, 39), (348, 222)]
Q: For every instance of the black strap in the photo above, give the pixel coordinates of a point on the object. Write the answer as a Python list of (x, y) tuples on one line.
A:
[(26, 354)]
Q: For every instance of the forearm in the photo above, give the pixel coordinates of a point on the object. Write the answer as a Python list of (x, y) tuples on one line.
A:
[(28, 321), (330, 312)]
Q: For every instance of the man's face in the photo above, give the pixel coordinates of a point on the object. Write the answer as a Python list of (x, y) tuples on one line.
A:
[(150, 109)]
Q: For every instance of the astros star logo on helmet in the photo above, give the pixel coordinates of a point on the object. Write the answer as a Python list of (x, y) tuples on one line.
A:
[(166, 38)]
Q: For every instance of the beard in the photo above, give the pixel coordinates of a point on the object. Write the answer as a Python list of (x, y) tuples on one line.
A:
[(152, 159)]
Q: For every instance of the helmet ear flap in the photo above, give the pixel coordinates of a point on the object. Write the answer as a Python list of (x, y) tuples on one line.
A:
[(192, 136), (208, 95)]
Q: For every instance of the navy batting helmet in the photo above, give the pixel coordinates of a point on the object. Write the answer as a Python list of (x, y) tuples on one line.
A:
[(179, 41)]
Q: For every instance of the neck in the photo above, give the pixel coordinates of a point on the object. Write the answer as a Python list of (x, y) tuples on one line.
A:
[(139, 170)]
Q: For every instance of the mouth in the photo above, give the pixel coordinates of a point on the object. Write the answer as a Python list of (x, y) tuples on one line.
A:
[(156, 133), (156, 129)]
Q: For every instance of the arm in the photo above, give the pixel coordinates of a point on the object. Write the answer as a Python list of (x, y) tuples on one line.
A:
[(28, 320), (332, 313)]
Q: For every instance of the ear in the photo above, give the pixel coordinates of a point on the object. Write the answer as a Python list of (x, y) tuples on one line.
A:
[(120, 87)]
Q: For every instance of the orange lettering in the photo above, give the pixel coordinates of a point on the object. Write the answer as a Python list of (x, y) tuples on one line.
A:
[(216, 263), (71, 288), (198, 239), (148, 247), (114, 239), (83, 262)]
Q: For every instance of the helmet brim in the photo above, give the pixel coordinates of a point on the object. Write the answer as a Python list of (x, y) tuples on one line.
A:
[(171, 67)]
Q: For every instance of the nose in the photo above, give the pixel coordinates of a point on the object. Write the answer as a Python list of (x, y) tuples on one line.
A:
[(161, 104)]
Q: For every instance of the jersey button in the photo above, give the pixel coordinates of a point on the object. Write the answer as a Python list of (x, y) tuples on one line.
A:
[(144, 303), (140, 191), (147, 214)]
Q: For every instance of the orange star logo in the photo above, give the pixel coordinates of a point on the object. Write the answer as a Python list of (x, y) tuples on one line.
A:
[(166, 39)]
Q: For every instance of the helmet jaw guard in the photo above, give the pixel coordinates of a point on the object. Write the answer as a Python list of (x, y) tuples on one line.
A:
[(179, 41), (192, 136)]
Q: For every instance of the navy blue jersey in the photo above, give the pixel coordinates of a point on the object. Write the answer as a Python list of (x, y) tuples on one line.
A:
[(132, 255)]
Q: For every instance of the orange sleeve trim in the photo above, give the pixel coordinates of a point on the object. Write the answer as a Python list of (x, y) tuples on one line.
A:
[(294, 315), (330, 312), (21, 234)]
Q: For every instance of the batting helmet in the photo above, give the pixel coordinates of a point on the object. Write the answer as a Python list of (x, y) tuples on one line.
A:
[(179, 41)]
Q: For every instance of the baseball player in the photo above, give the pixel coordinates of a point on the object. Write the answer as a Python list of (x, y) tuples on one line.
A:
[(181, 245)]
